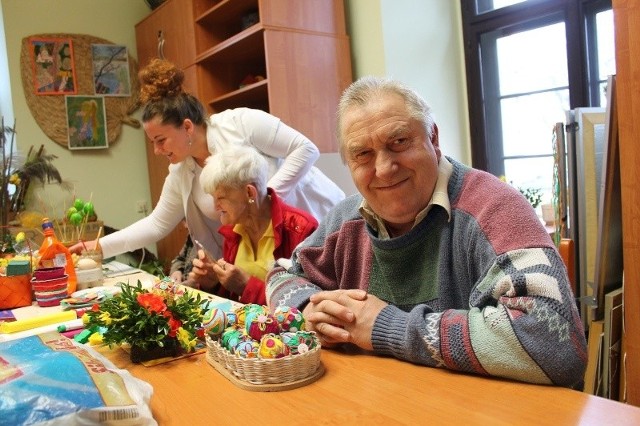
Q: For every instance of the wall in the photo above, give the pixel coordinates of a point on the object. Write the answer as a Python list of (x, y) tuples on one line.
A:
[(420, 43), (6, 110), (423, 48), (116, 178)]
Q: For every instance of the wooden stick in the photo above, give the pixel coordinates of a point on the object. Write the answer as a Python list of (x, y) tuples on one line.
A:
[(96, 246), (85, 219)]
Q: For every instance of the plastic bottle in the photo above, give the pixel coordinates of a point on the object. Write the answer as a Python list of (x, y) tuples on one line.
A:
[(53, 253)]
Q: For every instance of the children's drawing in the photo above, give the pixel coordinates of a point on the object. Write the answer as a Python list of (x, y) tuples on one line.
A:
[(53, 66), (86, 119), (110, 70)]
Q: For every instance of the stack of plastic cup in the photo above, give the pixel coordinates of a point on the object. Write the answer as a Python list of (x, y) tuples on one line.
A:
[(50, 285)]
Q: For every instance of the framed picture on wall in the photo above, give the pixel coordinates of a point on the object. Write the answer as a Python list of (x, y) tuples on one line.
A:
[(110, 65), (53, 66), (86, 121)]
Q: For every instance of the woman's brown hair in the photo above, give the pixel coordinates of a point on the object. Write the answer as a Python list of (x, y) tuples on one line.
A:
[(162, 95)]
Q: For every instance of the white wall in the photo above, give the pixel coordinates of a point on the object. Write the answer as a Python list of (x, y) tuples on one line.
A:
[(6, 109), (420, 43), (116, 177), (424, 48)]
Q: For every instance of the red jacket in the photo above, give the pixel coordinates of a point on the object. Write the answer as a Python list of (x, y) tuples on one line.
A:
[(290, 227)]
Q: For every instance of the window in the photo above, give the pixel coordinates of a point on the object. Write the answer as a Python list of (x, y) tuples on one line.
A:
[(528, 62)]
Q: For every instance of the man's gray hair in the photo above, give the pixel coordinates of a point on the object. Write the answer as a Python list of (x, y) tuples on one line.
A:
[(235, 166), (369, 88)]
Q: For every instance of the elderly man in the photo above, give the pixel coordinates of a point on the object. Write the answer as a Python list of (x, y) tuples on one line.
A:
[(432, 262)]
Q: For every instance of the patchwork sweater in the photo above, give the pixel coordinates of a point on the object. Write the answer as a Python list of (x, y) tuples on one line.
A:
[(485, 292)]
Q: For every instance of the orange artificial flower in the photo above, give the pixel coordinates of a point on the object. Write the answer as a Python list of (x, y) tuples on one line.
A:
[(152, 302)]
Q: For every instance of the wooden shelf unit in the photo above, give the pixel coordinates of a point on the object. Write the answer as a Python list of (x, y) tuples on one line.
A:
[(300, 49)]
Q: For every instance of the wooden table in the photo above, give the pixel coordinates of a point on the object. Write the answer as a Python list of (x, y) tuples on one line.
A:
[(359, 388)]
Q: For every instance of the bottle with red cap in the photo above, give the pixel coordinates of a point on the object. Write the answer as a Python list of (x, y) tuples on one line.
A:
[(53, 253)]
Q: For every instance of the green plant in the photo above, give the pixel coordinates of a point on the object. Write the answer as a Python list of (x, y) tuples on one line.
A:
[(149, 318), (154, 267), (17, 173), (533, 195)]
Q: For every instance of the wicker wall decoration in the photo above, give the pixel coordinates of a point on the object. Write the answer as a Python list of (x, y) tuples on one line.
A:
[(49, 111)]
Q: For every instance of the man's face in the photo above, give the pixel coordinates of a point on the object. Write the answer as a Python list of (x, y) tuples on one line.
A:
[(392, 162)]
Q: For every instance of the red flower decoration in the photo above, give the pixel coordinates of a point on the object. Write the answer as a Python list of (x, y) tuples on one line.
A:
[(174, 325), (152, 302)]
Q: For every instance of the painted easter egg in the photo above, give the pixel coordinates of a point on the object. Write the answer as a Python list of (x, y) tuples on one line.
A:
[(247, 348), (260, 325), (272, 346), (290, 318), (231, 337), (299, 342), (214, 322)]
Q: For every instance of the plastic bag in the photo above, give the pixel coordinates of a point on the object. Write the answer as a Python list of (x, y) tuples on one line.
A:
[(49, 379)]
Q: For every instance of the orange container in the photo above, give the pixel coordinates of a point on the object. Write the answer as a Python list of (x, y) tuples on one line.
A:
[(15, 291), (53, 253)]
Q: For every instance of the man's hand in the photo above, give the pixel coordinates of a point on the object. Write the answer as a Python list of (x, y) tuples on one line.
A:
[(343, 316)]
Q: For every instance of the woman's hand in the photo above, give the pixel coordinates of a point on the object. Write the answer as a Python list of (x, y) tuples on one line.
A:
[(202, 273), (230, 276), (77, 248), (176, 276)]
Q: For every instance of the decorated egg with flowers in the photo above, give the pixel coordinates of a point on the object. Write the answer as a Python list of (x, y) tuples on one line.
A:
[(247, 348), (259, 325), (248, 310), (289, 318), (299, 342), (272, 346)]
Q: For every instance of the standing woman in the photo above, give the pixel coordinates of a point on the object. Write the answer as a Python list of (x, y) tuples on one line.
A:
[(176, 124)]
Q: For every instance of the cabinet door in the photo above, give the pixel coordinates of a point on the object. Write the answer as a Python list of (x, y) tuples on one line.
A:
[(167, 33), (307, 74)]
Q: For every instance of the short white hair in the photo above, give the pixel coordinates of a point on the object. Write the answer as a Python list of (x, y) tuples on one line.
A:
[(368, 89), (235, 166)]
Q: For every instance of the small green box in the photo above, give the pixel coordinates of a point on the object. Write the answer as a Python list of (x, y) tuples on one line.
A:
[(18, 267)]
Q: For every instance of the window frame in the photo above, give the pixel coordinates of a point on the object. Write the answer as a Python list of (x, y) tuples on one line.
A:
[(579, 18)]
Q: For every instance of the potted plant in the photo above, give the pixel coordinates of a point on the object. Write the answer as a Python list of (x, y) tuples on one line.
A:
[(533, 195), (157, 322), (17, 173)]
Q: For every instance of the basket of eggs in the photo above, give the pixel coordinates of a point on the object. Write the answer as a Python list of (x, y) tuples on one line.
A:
[(260, 351)]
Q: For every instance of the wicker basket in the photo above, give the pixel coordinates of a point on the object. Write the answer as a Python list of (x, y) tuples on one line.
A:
[(259, 371)]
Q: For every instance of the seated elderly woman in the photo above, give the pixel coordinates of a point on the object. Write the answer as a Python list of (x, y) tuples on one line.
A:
[(257, 226)]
